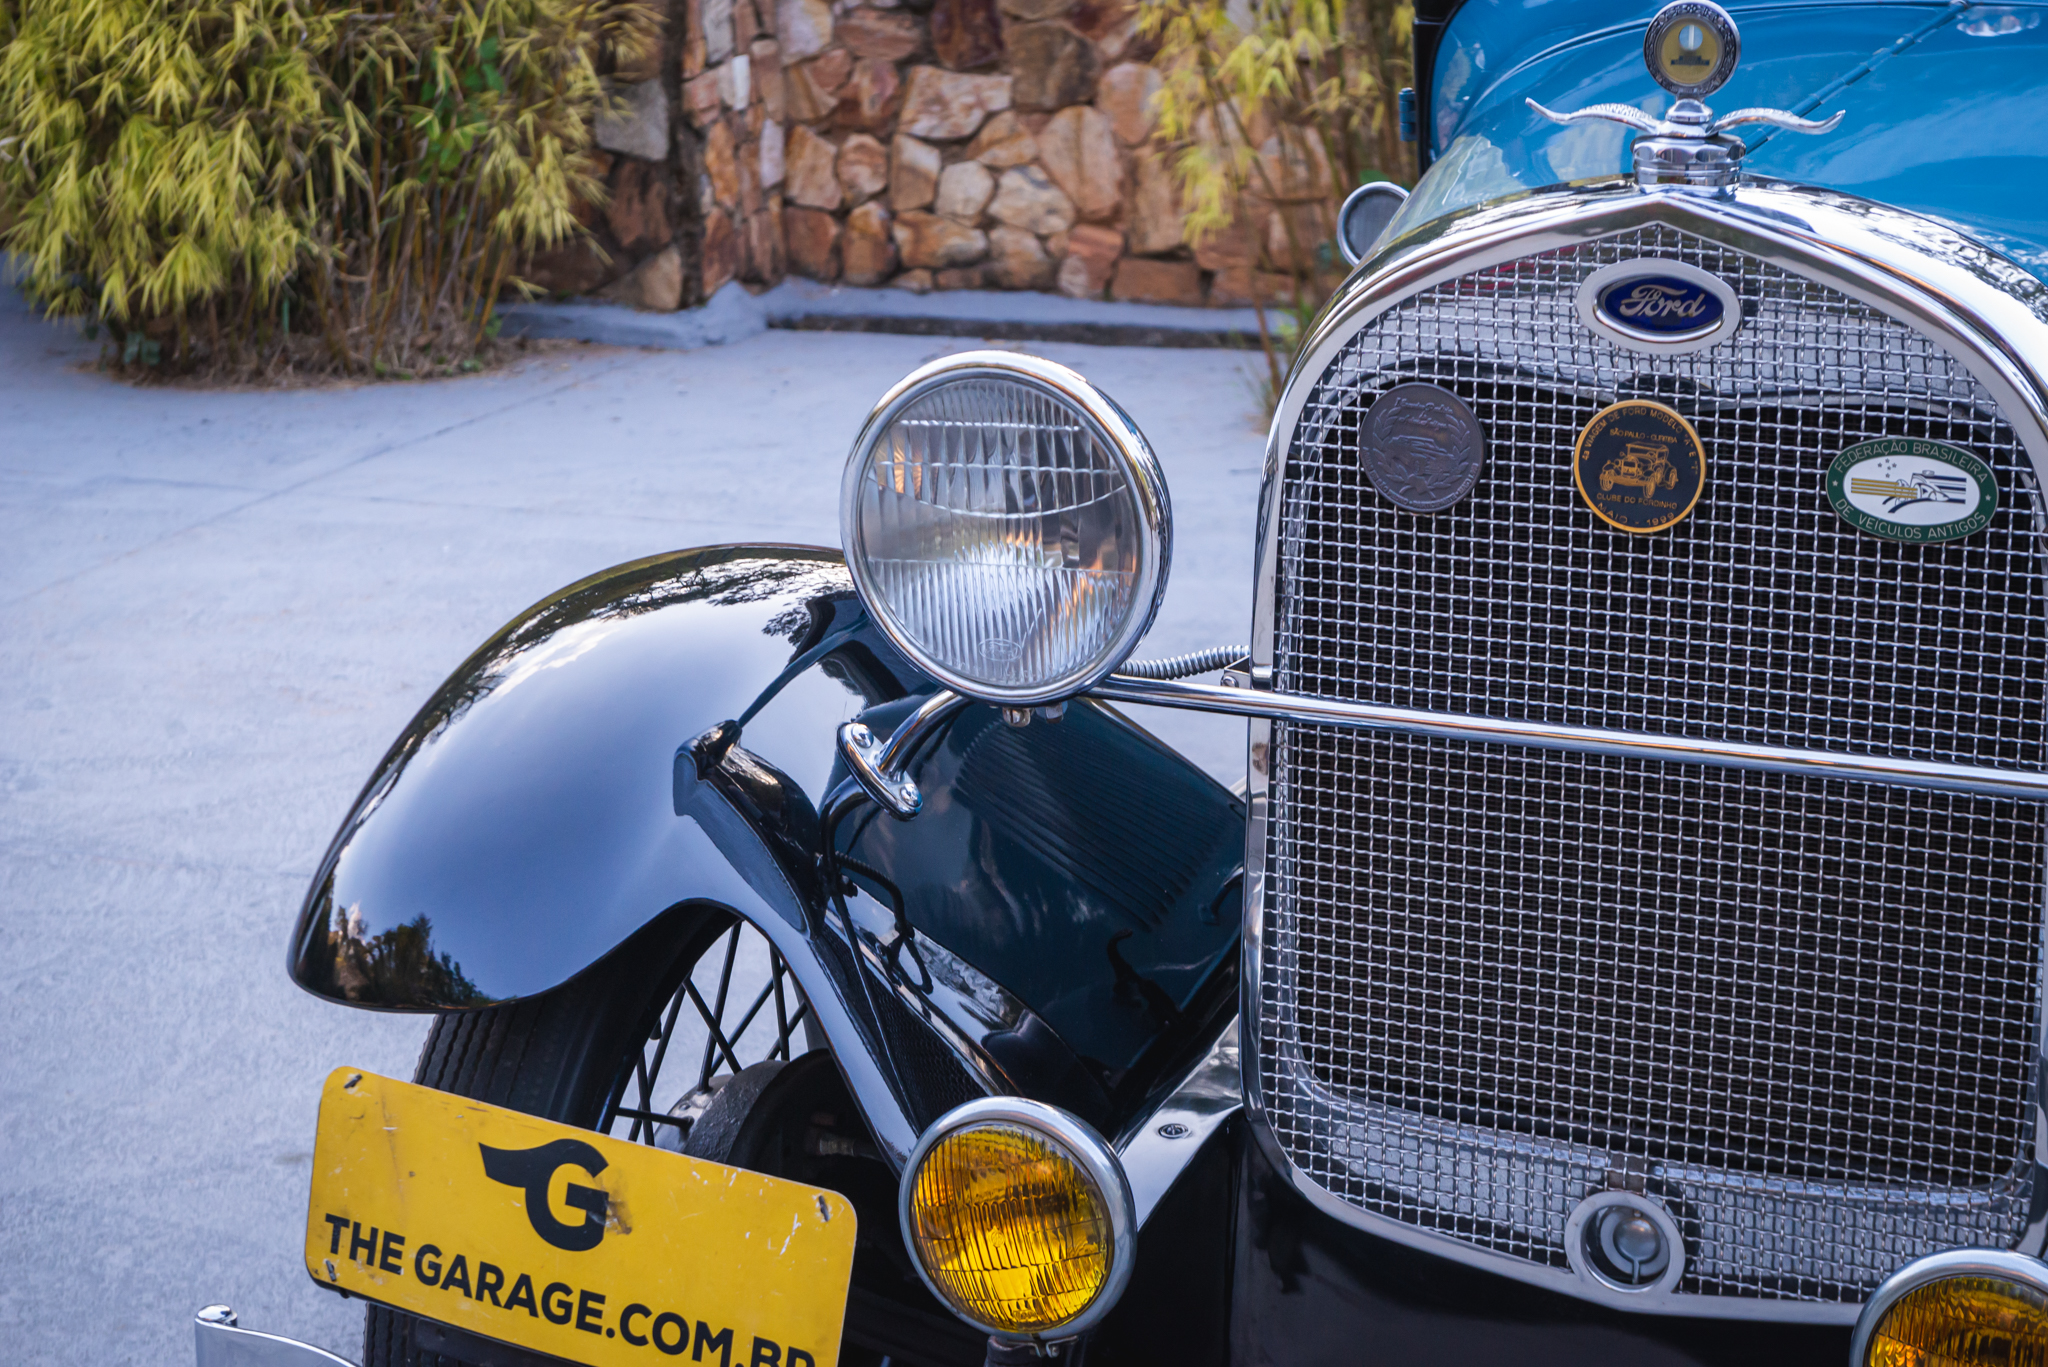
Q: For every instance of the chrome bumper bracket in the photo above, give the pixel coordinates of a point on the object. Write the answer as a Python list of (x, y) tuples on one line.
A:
[(221, 1341)]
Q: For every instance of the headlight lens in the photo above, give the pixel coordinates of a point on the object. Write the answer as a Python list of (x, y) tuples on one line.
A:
[(1968, 1308), (1007, 526), (1021, 1231), (1964, 1322)]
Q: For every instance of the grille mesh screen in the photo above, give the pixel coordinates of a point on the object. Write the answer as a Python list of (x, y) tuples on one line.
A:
[(1803, 1011)]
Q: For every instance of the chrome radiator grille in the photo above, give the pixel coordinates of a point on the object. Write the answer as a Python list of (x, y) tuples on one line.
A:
[(1806, 1012)]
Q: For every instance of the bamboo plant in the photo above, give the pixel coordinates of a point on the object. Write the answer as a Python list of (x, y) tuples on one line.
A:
[(255, 186), (1270, 112)]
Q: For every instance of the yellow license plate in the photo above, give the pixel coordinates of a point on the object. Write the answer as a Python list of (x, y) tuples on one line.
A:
[(566, 1241)]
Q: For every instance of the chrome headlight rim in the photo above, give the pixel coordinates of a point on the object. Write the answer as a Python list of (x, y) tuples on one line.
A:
[(1117, 432), (1371, 197), (1098, 1162), (1955, 1262)]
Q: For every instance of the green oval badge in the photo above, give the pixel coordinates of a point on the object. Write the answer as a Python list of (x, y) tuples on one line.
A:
[(1909, 489)]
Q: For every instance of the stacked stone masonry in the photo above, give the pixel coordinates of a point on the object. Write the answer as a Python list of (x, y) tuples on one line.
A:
[(937, 144), (978, 143), (734, 101), (691, 156)]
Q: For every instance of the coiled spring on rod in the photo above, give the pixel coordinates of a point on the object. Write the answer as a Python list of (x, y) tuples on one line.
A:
[(1181, 666)]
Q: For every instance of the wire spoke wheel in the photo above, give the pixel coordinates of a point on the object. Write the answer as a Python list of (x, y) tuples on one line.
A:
[(693, 1037), (737, 1006)]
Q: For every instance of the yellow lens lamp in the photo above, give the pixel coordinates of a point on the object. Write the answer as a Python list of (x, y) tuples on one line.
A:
[(1019, 1218), (1970, 1307)]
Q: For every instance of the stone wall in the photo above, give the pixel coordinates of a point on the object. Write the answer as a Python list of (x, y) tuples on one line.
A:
[(978, 143), (734, 102), (692, 164), (930, 144)]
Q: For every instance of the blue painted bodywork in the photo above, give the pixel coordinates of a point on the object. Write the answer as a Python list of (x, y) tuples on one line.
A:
[(1946, 106)]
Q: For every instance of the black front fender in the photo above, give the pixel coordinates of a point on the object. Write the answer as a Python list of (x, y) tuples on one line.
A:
[(665, 732), (524, 823)]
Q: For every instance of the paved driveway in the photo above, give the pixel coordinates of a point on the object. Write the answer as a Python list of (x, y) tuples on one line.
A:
[(216, 609)]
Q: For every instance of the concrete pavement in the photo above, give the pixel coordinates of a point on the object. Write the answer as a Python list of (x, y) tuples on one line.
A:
[(217, 609)]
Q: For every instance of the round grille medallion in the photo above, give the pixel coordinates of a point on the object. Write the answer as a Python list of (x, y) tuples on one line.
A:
[(1640, 466), (1691, 48), (1422, 447)]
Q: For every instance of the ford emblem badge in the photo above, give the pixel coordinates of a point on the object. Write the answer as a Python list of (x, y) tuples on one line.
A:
[(1659, 305), (1662, 305)]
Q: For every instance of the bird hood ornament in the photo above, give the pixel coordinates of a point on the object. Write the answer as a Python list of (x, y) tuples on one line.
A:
[(1691, 48)]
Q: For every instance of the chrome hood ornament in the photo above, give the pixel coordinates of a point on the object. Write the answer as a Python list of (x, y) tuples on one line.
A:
[(1691, 48)]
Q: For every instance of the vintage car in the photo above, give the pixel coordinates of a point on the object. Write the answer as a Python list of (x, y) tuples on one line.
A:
[(1641, 464), (1626, 945)]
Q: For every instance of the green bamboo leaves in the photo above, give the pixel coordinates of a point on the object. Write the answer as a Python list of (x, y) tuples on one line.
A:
[(1271, 111), (1312, 79), (265, 185), (155, 149)]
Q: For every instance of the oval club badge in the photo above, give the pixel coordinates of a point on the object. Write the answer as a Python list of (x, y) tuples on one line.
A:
[(1640, 466), (1422, 447), (1907, 489)]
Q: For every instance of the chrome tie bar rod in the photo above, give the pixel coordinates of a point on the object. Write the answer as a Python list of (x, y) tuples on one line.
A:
[(2024, 784)]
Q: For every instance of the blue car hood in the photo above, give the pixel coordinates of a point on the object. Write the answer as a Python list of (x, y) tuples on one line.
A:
[(1946, 107)]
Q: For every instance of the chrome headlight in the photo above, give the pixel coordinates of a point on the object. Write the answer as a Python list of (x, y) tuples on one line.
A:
[(1969, 1307), (1007, 526)]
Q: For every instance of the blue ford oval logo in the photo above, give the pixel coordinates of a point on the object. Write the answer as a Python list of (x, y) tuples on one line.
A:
[(1661, 306)]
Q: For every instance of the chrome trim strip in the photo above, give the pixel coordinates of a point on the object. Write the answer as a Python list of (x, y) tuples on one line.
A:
[(1904, 773), (1959, 1262), (1157, 1148), (1986, 310), (220, 1341), (1097, 1160)]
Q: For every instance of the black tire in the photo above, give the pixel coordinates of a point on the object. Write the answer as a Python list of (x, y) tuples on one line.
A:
[(571, 1054), (557, 1055)]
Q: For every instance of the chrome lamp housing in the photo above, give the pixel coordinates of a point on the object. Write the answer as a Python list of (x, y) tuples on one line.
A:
[(1006, 1221), (1007, 526)]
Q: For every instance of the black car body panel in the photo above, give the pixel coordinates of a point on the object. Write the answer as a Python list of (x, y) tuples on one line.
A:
[(663, 733)]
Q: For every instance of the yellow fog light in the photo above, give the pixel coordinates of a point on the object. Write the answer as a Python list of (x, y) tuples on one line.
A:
[(1969, 1308), (1019, 1218)]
